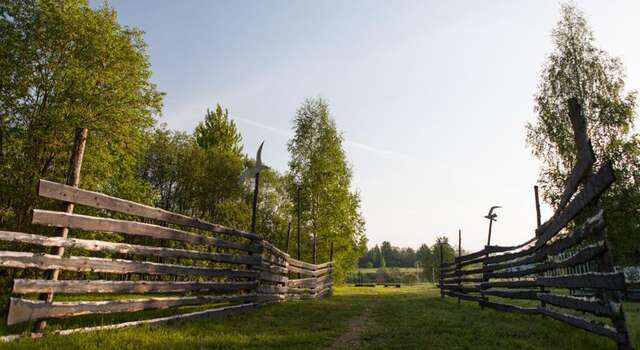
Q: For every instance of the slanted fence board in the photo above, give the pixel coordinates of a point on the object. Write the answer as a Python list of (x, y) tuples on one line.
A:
[(591, 305), (609, 281), (585, 255), (513, 294), (593, 227), (510, 284), (22, 310), (509, 308), (216, 312), (124, 248), (593, 188), (23, 286), (316, 273), (463, 296), (24, 260), (98, 200), (91, 223), (587, 325)]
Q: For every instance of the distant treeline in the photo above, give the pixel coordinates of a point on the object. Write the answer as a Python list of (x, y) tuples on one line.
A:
[(426, 258)]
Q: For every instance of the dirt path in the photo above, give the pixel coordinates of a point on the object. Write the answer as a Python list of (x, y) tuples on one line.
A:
[(351, 338)]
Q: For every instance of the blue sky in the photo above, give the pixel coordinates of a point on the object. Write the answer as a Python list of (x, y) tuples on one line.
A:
[(432, 97)]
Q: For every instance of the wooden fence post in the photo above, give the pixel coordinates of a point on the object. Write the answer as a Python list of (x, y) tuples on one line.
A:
[(299, 212), (578, 122), (73, 179), (254, 204), (315, 248), (538, 224), (458, 265), (288, 237), (441, 264)]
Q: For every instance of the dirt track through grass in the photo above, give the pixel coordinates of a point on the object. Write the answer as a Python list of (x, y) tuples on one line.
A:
[(353, 318)]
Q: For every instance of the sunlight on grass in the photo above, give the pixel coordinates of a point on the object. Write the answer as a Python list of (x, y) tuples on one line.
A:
[(407, 317)]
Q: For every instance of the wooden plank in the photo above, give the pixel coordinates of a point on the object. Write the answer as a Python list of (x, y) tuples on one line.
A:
[(459, 288), (593, 227), (591, 305), (98, 200), (274, 260), (509, 308), (510, 284), (584, 153), (24, 286), (586, 254), (124, 248), (471, 256), (274, 250), (217, 312), (463, 296), (274, 269), (325, 265), (270, 298), (23, 260), (593, 188), (303, 282), (302, 264), (590, 326), (270, 277), (301, 291), (514, 294), (609, 281), (317, 273), (271, 289), (90, 223), (23, 310), (462, 280)]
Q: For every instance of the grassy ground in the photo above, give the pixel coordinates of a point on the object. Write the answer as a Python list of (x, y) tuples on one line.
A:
[(367, 318)]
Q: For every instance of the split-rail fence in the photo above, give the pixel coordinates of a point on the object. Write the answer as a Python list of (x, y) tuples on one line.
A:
[(542, 271), (193, 261)]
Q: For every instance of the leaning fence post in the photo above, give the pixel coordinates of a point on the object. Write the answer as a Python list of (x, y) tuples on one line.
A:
[(73, 179), (441, 265), (299, 210), (331, 268), (578, 123), (288, 236), (458, 264), (538, 224)]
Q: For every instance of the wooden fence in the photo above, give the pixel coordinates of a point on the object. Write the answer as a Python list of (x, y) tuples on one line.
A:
[(174, 254), (547, 272)]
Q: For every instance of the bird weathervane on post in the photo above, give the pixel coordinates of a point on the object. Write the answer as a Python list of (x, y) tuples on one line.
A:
[(255, 173), (492, 217)]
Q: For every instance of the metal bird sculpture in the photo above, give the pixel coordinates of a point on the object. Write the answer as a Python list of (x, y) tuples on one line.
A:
[(492, 216), (255, 173), (257, 168)]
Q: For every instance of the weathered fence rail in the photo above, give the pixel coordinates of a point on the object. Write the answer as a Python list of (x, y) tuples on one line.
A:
[(543, 271), (178, 256)]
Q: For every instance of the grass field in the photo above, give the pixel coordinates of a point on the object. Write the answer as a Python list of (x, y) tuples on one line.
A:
[(367, 318)]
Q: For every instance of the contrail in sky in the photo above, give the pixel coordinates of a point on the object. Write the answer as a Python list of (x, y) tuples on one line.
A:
[(353, 144)]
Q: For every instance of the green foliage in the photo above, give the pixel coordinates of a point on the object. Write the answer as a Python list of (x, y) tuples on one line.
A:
[(393, 256), (65, 65), (442, 252), (577, 68), (217, 131), (330, 210)]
